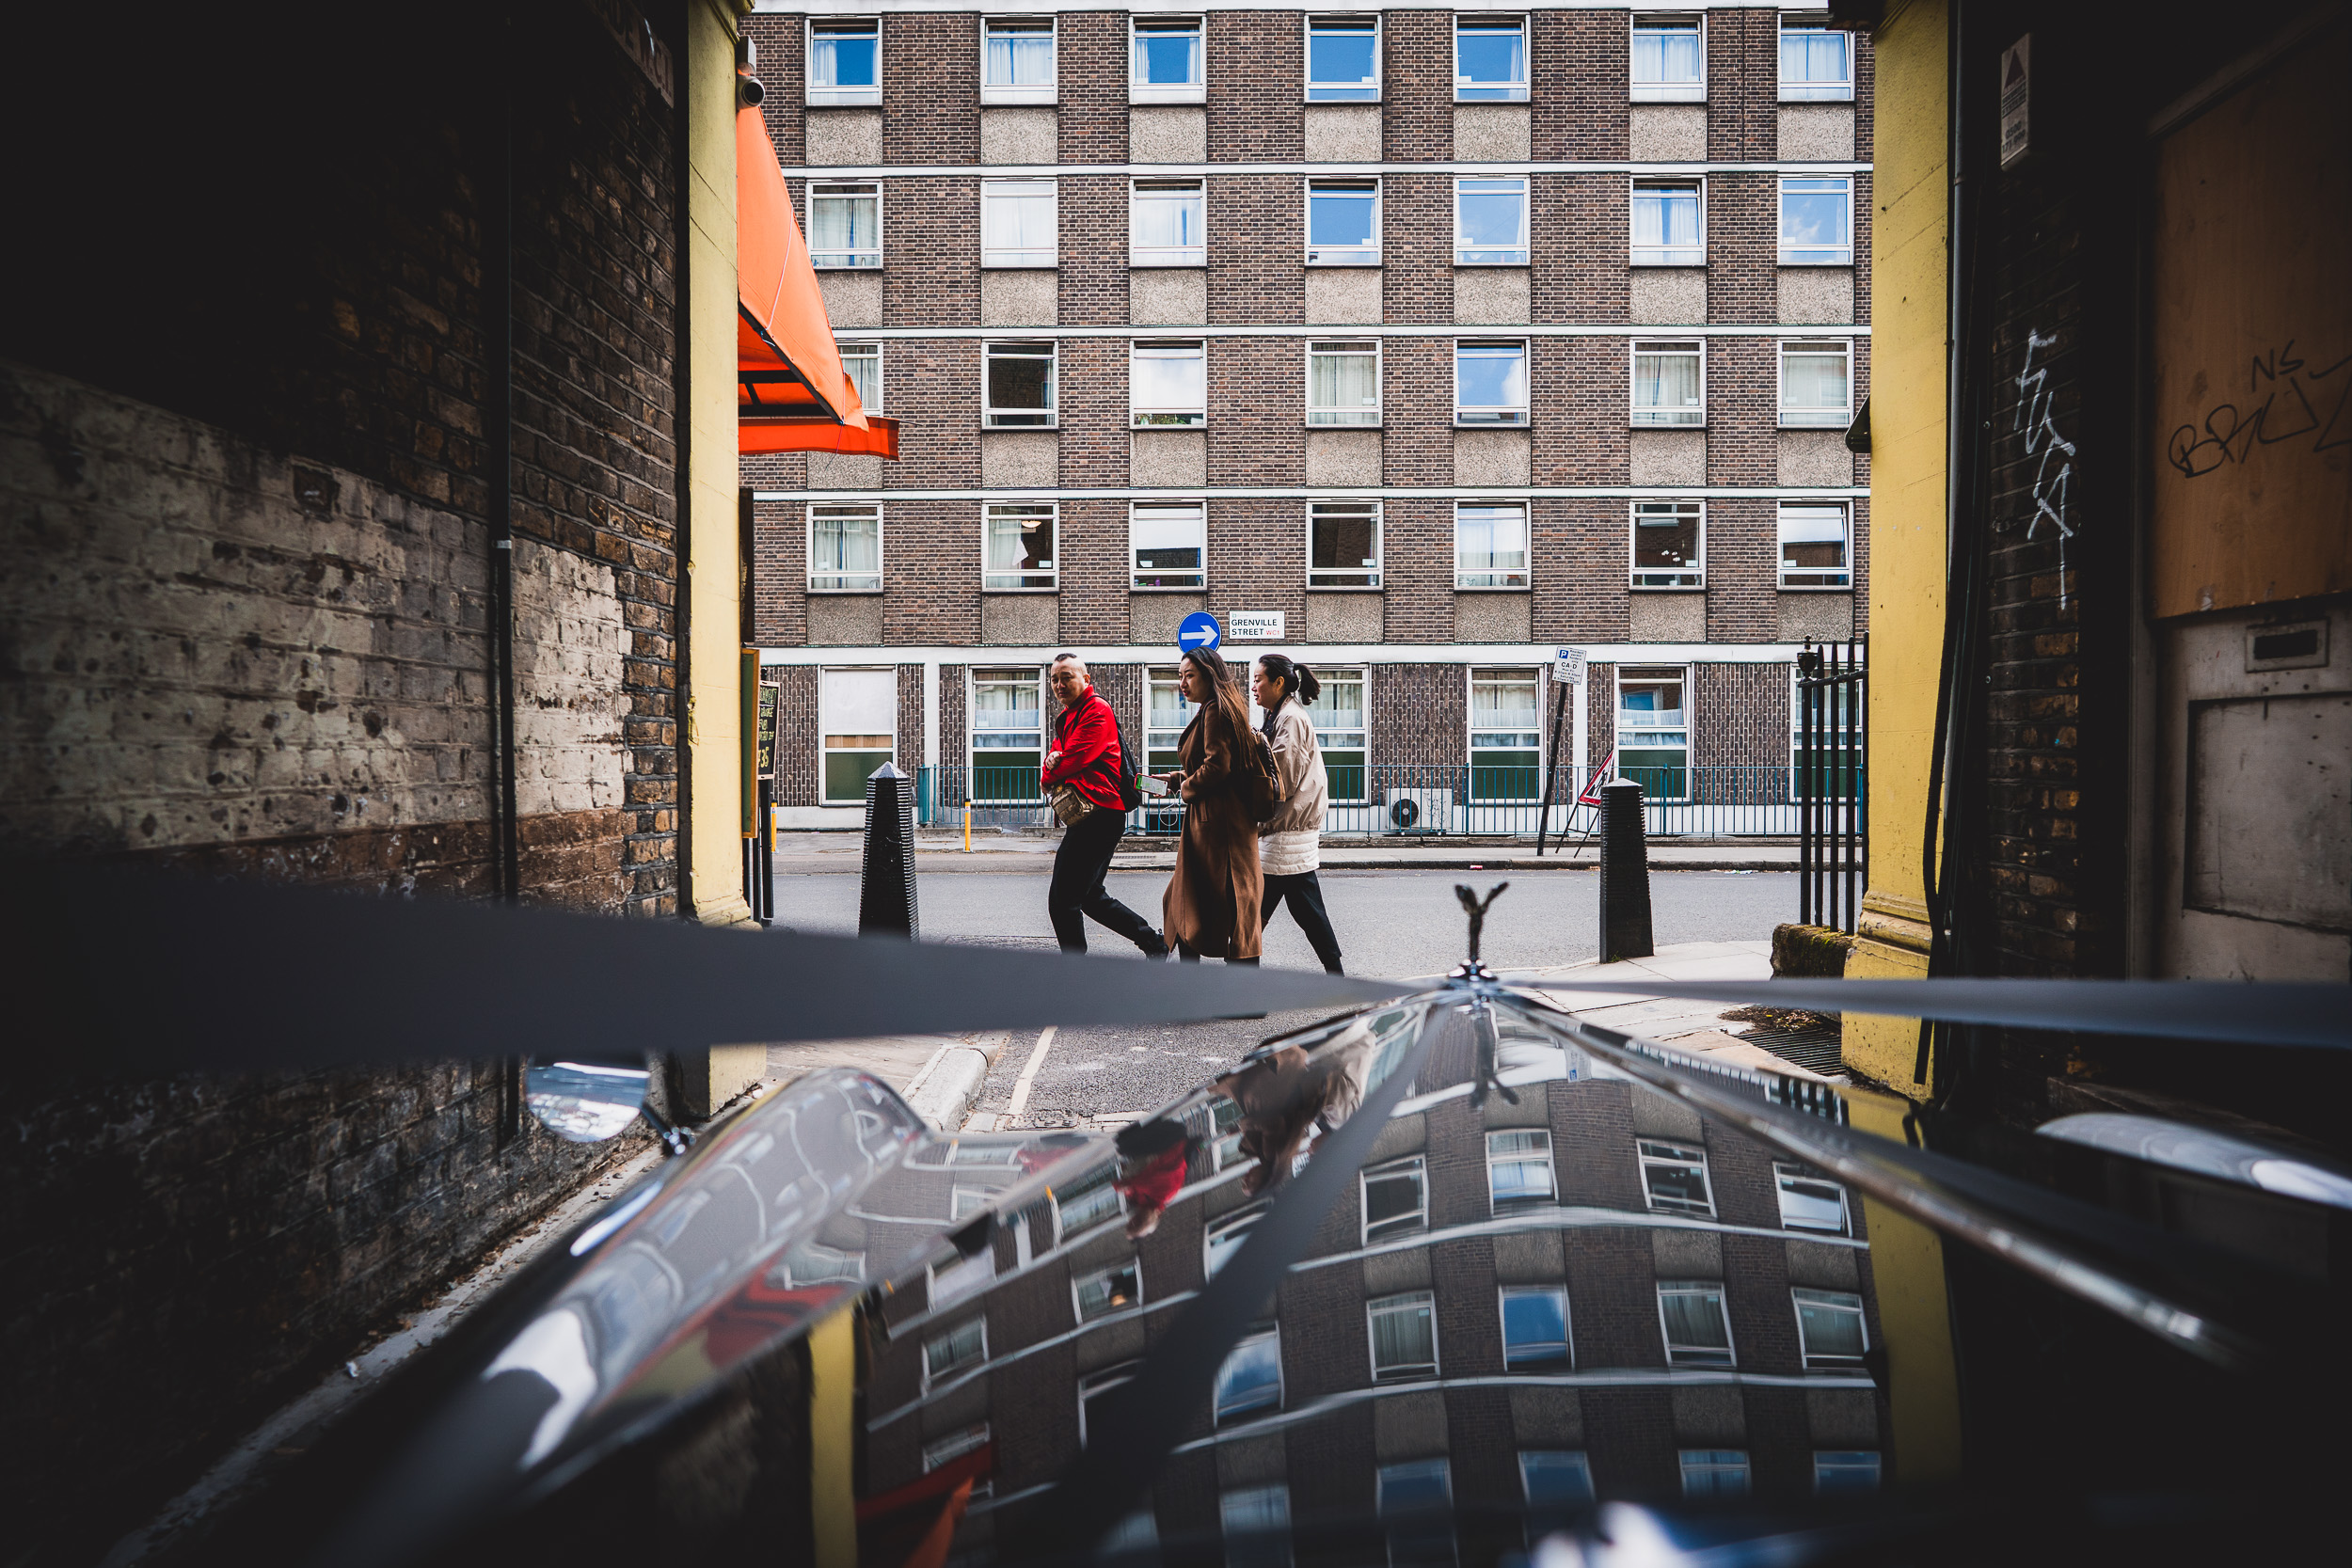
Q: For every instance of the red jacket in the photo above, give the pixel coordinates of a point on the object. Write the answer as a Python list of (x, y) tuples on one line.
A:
[(1088, 739)]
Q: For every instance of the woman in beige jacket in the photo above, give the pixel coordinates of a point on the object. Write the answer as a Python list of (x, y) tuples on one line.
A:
[(1290, 843)]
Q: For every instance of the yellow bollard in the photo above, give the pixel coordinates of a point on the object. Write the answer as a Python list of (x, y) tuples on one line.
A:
[(967, 827)]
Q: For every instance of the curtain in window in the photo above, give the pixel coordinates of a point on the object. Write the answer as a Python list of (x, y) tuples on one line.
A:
[(849, 545), (1813, 56), (1020, 223), (1403, 1337), (841, 223), (1489, 538), (1666, 55), (1023, 60), (1665, 218), (1168, 221), (1346, 382), (1694, 1318), (1666, 381), (1830, 1329), (1813, 381)]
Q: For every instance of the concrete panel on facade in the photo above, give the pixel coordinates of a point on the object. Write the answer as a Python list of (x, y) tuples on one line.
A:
[(1024, 296), (1491, 297), (851, 298), (1343, 617), (1343, 295), (1114, 1342), (844, 470), (1492, 132), (1546, 1417), (1823, 617), (1492, 457), (1686, 1254), (844, 620), (1669, 457), (1815, 457), (1153, 618), (1027, 620), (1668, 133), (1252, 1461), (1342, 457), (1667, 618), (1842, 1418), (1669, 296), (1409, 1426), (1343, 134), (1710, 1416), (1168, 134), (1816, 131), (1656, 1116), (1169, 458), (1168, 296), (1388, 1271), (1025, 134), (1816, 294), (1530, 1257), (1492, 617), (1027, 458), (1824, 1265), (844, 137)]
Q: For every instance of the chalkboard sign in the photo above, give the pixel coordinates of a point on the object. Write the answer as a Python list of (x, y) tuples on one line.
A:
[(768, 695)]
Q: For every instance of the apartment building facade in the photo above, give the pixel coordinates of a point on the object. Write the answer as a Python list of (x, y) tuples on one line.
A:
[(1412, 342)]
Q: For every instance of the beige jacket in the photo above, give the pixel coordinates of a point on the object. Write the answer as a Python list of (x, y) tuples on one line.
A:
[(1306, 787)]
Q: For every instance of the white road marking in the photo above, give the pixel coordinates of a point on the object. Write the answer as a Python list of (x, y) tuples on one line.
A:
[(1020, 1101)]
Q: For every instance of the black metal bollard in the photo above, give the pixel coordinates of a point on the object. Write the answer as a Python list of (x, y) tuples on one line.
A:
[(885, 900), (1625, 923)]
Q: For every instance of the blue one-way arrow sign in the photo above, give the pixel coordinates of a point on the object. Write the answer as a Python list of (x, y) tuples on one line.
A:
[(1199, 630)]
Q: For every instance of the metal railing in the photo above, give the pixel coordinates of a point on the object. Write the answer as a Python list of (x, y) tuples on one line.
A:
[(1832, 747)]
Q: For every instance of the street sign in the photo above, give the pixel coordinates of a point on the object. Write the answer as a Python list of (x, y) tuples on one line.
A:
[(2017, 101), (1257, 625), (1198, 631), (1568, 664)]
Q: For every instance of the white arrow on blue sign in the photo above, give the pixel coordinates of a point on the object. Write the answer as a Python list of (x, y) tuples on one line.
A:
[(1199, 630)]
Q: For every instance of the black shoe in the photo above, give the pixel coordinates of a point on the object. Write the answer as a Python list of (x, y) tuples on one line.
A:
[(1157, 949)]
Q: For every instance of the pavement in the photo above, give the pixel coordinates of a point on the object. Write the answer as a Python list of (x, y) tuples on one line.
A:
[(997, 850)]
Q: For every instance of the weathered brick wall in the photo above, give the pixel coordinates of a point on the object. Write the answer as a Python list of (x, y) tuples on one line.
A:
[(933, 584), (1417, 86), (1092, 548), (1740, 715), (798, 739), (1582, 67), (1420, 715), (1093, 214), (1257, 248), (1742, 570), (1258, 390), (1261, 46), (1090, 72), (1743, 86), (932, 58)]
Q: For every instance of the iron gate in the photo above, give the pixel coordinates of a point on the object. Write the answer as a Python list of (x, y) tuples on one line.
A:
[(1830, 767)]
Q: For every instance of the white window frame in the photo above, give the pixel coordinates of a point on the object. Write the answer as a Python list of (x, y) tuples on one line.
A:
[(1785, 1174), (993, 674), (1334, 348), (1716, 1462), (1809, 89), (1344, 255), (1238, 1224), (955, 1446), (1220, 1412), (867, 349), (1667, 1154), (839, 96), (1844, 574), (1665, 93), (1697, 1355), (1372, 571), (1403, 1301), (1019, 256), (829, 725), (1793, 417), (1568, 1329), (1353, 740), (931, 1373), (1466, 417), (1584, 1465), (1517, 256), (1169, 417), (1513, 581), (1344, 92), (1042, 579), (993, 418), (963, 1202), (1397, 1224), (1383, 1510), (1810, 256), (1195, 91), (841, 581), (1065, 1232), (1650, 579), (1845, 1302), (1643, 672), (1511, 92), (1167, 256), (1664, 254), (1078, 1282), (853, 190), (961, 1281), (1027, 93), (1661, 418), (1551, 1172), (1136, 574)]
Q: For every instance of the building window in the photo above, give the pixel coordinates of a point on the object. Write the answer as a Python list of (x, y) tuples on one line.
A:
[(965, 1345), (1020, 545), (1165, 220), (1830, 1329), (1019, 382), (1134, 1539), (845, 62), (1344, 223), (1080, 1209), (1403, 1336), (1816, 223), (1654, 750), (1168, 61), (1669, 385), (1092, 1387), (1490, 383), (1251, 1377), (1816, 62), (1506, 762), (1255, 1522), (1343, 382), (845, 549), (1017, 223), (1675, 1176), (1490, 59), (1008, 734), (1166, 714), (1837, 1471), (1714, 1473), (1697, 1331), (1669, 544), (1017, 60), (845, 225), (1223, 1238), (857, 713), (1669, 224), (954, 1447), (1343, 545), (1119, 1289), (1338, 715), (1555, 1480), (1490, 223), (1813, 546), (1669, 63), (1490, 544), (1816, 383), (1396, 1198), (1168, 383), (1168, 543), (861, 363), (1343, 59), (963, 1202), (1809, 1202), (1535, 1325), (1415, 1502), (1518, 1163)]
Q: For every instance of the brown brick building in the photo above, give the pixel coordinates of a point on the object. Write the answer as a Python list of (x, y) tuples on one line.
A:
[(1413, 344)]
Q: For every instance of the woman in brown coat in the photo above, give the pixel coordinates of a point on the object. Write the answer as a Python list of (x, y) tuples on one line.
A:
[(1210, 906)]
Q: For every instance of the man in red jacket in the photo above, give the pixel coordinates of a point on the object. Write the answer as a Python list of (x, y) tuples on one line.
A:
[(1085, 757)]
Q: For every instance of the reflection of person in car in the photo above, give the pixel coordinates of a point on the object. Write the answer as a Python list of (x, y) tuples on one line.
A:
[(1156, 1155), (1287, 1093)]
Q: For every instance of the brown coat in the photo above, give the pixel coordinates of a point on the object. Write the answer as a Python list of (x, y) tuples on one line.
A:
[(1212, 903)]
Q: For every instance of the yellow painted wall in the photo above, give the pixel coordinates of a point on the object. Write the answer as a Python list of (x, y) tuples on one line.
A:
[(1907, 473), (1914, 1314)]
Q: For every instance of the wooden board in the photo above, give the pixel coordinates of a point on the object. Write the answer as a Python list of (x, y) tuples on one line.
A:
[(2251, 334)]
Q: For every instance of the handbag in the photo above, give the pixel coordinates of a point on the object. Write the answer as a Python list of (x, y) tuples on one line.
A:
[(1070, 807)]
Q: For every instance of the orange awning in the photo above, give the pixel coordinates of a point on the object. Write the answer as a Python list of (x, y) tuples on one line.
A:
[(791, 393)]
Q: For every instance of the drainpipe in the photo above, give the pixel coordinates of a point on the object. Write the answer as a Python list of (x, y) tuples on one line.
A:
[(498, 418), (682, 431)]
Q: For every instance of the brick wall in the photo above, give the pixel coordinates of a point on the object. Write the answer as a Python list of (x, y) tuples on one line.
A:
[(1420, 715), (1092, 212), (1092, 548), (1417, 86), (1740, 715), (797, 737), (932, 58), (1090, 67), (1258, 390), (1742, 570), (1580, 71), (1256, 46), (1257, 247)]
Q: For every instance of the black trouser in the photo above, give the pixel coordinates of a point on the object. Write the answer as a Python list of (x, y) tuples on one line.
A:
[(1306, 896), (1077, 891)]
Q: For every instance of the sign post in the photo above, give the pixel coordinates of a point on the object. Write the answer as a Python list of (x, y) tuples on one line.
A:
[(1568, 670)]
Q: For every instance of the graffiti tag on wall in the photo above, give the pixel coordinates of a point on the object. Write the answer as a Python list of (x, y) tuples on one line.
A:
[(2038, 421), (2287, 410)]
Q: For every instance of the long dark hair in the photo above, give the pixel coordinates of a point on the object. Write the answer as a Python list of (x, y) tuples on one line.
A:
[(1298, 684), (1227, 694)]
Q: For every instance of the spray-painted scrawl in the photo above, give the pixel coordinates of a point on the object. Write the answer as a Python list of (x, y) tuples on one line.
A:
[(2035, 418)]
